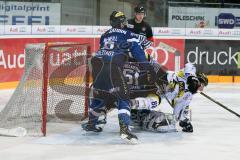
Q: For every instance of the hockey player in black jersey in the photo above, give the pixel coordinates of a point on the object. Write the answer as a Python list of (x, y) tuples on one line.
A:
[(144, 99), (109, 85), (138, 25)]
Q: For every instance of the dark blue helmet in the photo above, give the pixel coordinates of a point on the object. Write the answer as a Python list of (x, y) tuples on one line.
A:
[(118, 19)]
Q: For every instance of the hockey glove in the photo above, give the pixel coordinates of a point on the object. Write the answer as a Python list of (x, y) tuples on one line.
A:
[(186, 126), (146, 44)]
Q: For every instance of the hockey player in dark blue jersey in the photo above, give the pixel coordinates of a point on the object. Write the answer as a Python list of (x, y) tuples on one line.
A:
[(109, 85)]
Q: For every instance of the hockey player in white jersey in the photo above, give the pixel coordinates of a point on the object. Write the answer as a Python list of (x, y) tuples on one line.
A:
[(180, 88)]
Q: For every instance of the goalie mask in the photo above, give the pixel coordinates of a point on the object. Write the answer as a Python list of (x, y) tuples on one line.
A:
[(193, 84), (118, 19), (202, 78)]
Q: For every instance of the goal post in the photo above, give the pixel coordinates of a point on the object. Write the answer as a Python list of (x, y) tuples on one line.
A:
[(53, 88)]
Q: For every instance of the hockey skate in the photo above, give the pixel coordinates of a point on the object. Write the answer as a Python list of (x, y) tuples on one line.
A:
[(98, 127), (126, 135)]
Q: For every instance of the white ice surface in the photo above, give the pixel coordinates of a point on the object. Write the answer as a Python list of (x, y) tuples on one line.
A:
[(216, 136)]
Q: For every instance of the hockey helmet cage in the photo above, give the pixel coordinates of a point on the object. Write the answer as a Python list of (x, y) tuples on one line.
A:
[(140, 9), (117, 19), (193, 84), (202, 78)]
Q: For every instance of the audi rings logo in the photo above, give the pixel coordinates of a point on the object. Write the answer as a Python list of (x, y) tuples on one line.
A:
[(155, 52), (162, 52)]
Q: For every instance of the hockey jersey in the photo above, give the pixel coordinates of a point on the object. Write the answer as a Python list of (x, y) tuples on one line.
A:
[(177, 92), (120, 41)]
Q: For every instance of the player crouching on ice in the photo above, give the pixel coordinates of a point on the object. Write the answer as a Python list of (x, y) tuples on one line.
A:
[(109, 85), (180, 88)]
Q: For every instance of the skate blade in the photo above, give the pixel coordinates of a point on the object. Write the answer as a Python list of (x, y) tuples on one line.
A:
[(132, 141), (89, 133)]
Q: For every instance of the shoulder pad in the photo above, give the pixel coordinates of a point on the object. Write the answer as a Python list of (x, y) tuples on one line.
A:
[(180, 74)]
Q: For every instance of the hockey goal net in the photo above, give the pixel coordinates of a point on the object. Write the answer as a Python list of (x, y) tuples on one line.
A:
[(54, 87)]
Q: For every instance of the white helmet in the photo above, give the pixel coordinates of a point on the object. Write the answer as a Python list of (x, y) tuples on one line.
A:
[(189, 70)]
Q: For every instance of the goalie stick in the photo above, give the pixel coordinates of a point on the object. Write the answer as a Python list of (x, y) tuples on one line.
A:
[(13, 132), (220, 104)]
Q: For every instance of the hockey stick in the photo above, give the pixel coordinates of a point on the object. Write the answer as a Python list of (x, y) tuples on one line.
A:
[(13, 132), (220, 104), (164, 95)]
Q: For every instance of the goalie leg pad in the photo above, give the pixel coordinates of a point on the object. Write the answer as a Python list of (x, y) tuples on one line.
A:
[(159, 122), (138, 116)]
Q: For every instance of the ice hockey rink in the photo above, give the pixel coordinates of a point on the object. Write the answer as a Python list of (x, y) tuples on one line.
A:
[(215, 136)]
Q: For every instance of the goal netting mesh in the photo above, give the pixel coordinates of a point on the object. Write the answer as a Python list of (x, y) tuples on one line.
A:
[(52, 88)]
